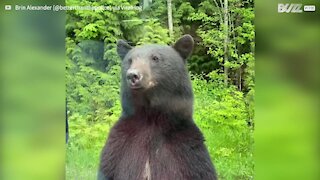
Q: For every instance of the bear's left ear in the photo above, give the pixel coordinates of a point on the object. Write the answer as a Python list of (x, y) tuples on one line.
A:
[(123, 48), (184, 46)]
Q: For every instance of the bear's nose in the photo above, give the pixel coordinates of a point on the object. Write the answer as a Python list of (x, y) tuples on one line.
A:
[(134, 77)]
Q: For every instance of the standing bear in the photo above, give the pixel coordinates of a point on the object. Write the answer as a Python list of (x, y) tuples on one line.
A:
[(156, 138)]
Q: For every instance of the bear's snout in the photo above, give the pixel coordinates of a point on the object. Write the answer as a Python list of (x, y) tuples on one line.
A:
[(134, 78)]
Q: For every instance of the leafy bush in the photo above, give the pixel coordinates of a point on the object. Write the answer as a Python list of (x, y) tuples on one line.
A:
[(221, 113)]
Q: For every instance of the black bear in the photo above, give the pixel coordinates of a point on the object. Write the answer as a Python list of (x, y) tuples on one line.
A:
[(156, 137)]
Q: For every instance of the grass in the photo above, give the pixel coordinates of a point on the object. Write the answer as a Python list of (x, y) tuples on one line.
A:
[(82, 163)]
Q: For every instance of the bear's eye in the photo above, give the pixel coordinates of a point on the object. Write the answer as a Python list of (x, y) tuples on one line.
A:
[(155, 58), (130, 61)]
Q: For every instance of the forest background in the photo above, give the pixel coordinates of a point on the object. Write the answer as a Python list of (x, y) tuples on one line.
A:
[(221, 69)]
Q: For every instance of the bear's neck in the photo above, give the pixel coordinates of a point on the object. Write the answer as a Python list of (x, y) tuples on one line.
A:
[(157, 118), (175, 108), (178, 105)]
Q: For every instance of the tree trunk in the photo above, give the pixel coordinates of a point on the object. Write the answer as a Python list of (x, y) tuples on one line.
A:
[(240, 78), (226, 40), (170, 25)]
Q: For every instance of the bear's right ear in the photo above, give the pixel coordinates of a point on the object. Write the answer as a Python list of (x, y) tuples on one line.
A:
[(123, 48)]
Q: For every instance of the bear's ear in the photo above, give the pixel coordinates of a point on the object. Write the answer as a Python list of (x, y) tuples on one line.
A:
[(184, 46), (123, 48)]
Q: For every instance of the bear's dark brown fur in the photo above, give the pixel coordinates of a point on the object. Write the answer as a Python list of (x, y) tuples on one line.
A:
[(156, 137)]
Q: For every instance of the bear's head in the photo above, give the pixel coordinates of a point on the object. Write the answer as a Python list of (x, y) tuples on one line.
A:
[(155, 77)]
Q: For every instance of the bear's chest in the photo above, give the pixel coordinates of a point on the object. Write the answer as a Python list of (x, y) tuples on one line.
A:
[(145, 153), (147, 141)]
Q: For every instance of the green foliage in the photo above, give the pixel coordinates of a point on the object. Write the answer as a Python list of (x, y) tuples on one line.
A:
[(153, 33), (221, 114), (224, 112), (240, 35), (89, 92)]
